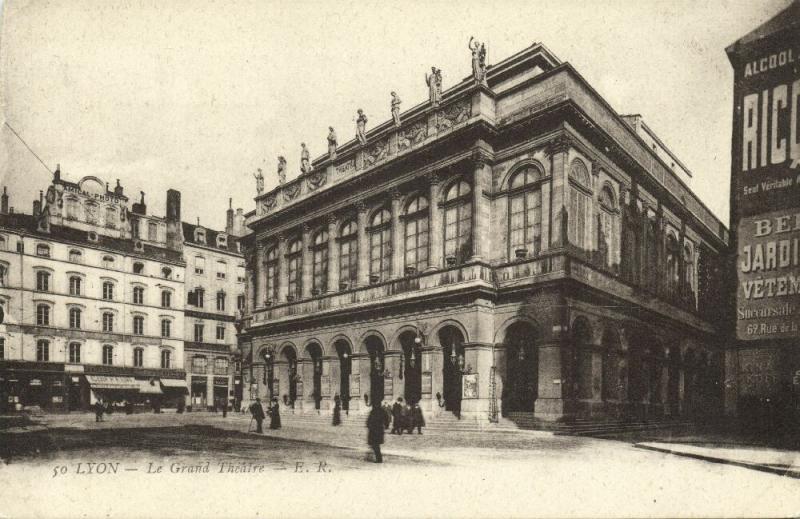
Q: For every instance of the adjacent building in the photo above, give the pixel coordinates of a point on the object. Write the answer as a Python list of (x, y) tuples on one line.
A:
[(511, 247)]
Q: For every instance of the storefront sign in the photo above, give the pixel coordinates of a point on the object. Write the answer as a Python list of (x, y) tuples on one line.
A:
[(73, 368), (469, 386), (35, 382), (220, 381), (768, 265), (758, 371)]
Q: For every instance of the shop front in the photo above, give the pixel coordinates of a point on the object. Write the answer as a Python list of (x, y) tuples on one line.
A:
[(199, 400), (113, 390), (32, 388), (221, 393), (174, 390)]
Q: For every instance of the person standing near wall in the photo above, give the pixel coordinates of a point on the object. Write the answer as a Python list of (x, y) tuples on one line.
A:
[(375, 431)]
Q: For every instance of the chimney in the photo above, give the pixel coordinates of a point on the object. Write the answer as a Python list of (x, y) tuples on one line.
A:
[(140, 208), (118, 189), (229, 218), (174, 225), (57, 173), (37, 207), (4, 202), (238, 225)]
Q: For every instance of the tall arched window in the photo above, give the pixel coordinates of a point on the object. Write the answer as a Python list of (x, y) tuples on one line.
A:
[(579, 204), (380, 245), (43, 350), (651, 253), (75, 285), (108, 322), (525, 212), (166, 359), (271, 293), (3, 275), (108, 290), (138, 357), (75, 256), (688, 271), (607, 240), (138, 295), (75, 352), (348, 253), (294, 256), (166, 298), (416, 234), (75, 318), (138, 325), (458, 222), (673, 275), (166, 327), (108, 355), (319, 246), (43, 315), (42, 281)]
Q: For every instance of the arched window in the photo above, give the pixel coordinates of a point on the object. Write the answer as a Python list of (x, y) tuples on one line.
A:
[(525, 212), (3, 275), (138, 325), (42, 281), (651, 254), (458, 223), (108, 355), (108, 322), (43, 350), (75, 318), (380, 245), (166, 359), (220, 301), (75, 285), (138, 268), (166, 298), (295, 267), (138, 295), (608, 242), (43, 250), (75, 352), (108, 290), (43, 315), (108, 262), (348, 253), (75, 256), (271, 293), (416, 234), (673, 275), (166, 327), (688, 269), (579, 204), (319, 247), (138, 357)]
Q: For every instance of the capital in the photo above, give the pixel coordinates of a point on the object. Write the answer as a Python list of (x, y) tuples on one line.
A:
[(332, 219), (361, 206), (558, 145), (395, 194), (596, 169), (478, 159), (434, 178), (306, 228)]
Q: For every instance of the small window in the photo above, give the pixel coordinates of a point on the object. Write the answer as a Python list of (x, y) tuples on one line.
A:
[(199, 264), (240, 300), (166, 359), (43, 250), (43, 350), (220, 301), (200, 236), (138, 268), (220, 333), (75, 315), (75, 256), (138, 357), (42, 315), (108, 290), (75, 352), (42, 281), (222, 241), (138, 295), (221, 365), (166, 327), (222, 269), (166, 298), (75, 286), (108, 322), (108, 355), (108, 262), (138, 245), (92, 236), (138, 325), (198, 332), (3, 275), (166, 272)]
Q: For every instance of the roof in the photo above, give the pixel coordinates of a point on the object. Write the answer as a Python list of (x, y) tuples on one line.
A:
[(211, 238), (28, 224), (786, 19)]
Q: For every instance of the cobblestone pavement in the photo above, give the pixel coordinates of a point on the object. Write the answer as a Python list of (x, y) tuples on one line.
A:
[(441, 473)]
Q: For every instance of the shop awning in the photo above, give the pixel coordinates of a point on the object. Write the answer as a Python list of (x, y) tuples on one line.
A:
[(108, 382), (149, 387), (173, 383)]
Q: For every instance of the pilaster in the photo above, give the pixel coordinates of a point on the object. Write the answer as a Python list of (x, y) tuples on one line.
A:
[(435, 228), (397, 256), (283, 271), (558, 150), (261, 273), (363, 248), (333, 255), (305, 289)]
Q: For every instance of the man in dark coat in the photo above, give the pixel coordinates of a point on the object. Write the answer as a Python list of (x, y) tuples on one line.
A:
[(397, 417), (257, 410), (99, 409), (274, 415), (337, 410), (387, 412), (418, 420), (375, 432)]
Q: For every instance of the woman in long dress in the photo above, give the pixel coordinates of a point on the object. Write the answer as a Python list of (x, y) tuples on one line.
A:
[(337, 410), (274, 415)]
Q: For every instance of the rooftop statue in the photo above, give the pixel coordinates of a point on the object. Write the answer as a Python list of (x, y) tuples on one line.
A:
[(281, 170), (259, 181), (434, 82), (305, 159), (396, 108), (332, 142), (361, 127), (478, 60)]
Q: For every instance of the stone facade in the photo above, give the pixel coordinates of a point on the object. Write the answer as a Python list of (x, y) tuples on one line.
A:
[(525, 252)]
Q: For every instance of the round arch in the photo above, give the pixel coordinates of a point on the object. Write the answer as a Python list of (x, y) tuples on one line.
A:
[(443, 324), (395, 345), (362, 339), (519, 166), (502, 330), (286, 345), (339, 338), (305, 351)]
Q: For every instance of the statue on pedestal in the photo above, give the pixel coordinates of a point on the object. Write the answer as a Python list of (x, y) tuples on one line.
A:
[(281, 170), (361, 127), (478, 60), (332, 142), (259, 181), (396, 108), (434, 82), (305, 159)]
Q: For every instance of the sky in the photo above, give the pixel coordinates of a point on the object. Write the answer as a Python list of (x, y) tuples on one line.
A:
[(196, 94)]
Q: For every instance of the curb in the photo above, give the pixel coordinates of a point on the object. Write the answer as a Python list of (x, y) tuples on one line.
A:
[(753, 466)]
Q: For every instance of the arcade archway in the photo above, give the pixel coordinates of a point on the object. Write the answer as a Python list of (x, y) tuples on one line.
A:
[(375, 350), (522, 368), (452, 341), (287, 378), (315, 352), (411, 361), (345, 369)]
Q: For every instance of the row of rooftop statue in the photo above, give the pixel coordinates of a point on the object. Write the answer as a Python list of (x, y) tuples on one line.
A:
[(434, 82)]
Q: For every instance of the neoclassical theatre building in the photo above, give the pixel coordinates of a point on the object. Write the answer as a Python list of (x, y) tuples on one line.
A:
[(511, 247)]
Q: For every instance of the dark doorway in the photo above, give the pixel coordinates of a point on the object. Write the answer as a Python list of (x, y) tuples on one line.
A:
[(522, 368), (452, 341), (315, 352), (412, 370), (290, 357), (345, 369), (377, 365)]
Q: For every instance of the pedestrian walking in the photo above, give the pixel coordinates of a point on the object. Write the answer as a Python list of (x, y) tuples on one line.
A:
[(257, 410), (99, 409), (224, 408), (337, 410), (375, 431), (397, 416), (387, 414), (274, 415), (406, 421), (418, 420)]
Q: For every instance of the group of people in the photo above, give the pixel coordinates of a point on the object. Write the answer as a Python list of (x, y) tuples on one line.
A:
[(400, 416), (260, 414)]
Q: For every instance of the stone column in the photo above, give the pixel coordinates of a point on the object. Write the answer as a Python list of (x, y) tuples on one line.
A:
[(305, 400), (477, 361), (283, 270), (327, 396), (361, 365), (549, 403), (363, 246), (429, 357), (397, 235), (210, 386), (259, 294), (558, 149), (480, 207), (435, 228), (392, 363), (307, 260), (333, 255)]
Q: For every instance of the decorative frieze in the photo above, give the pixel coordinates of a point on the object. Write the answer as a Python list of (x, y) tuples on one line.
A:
[(453, 114), (291, 191), (316, 179), (413, 135)]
